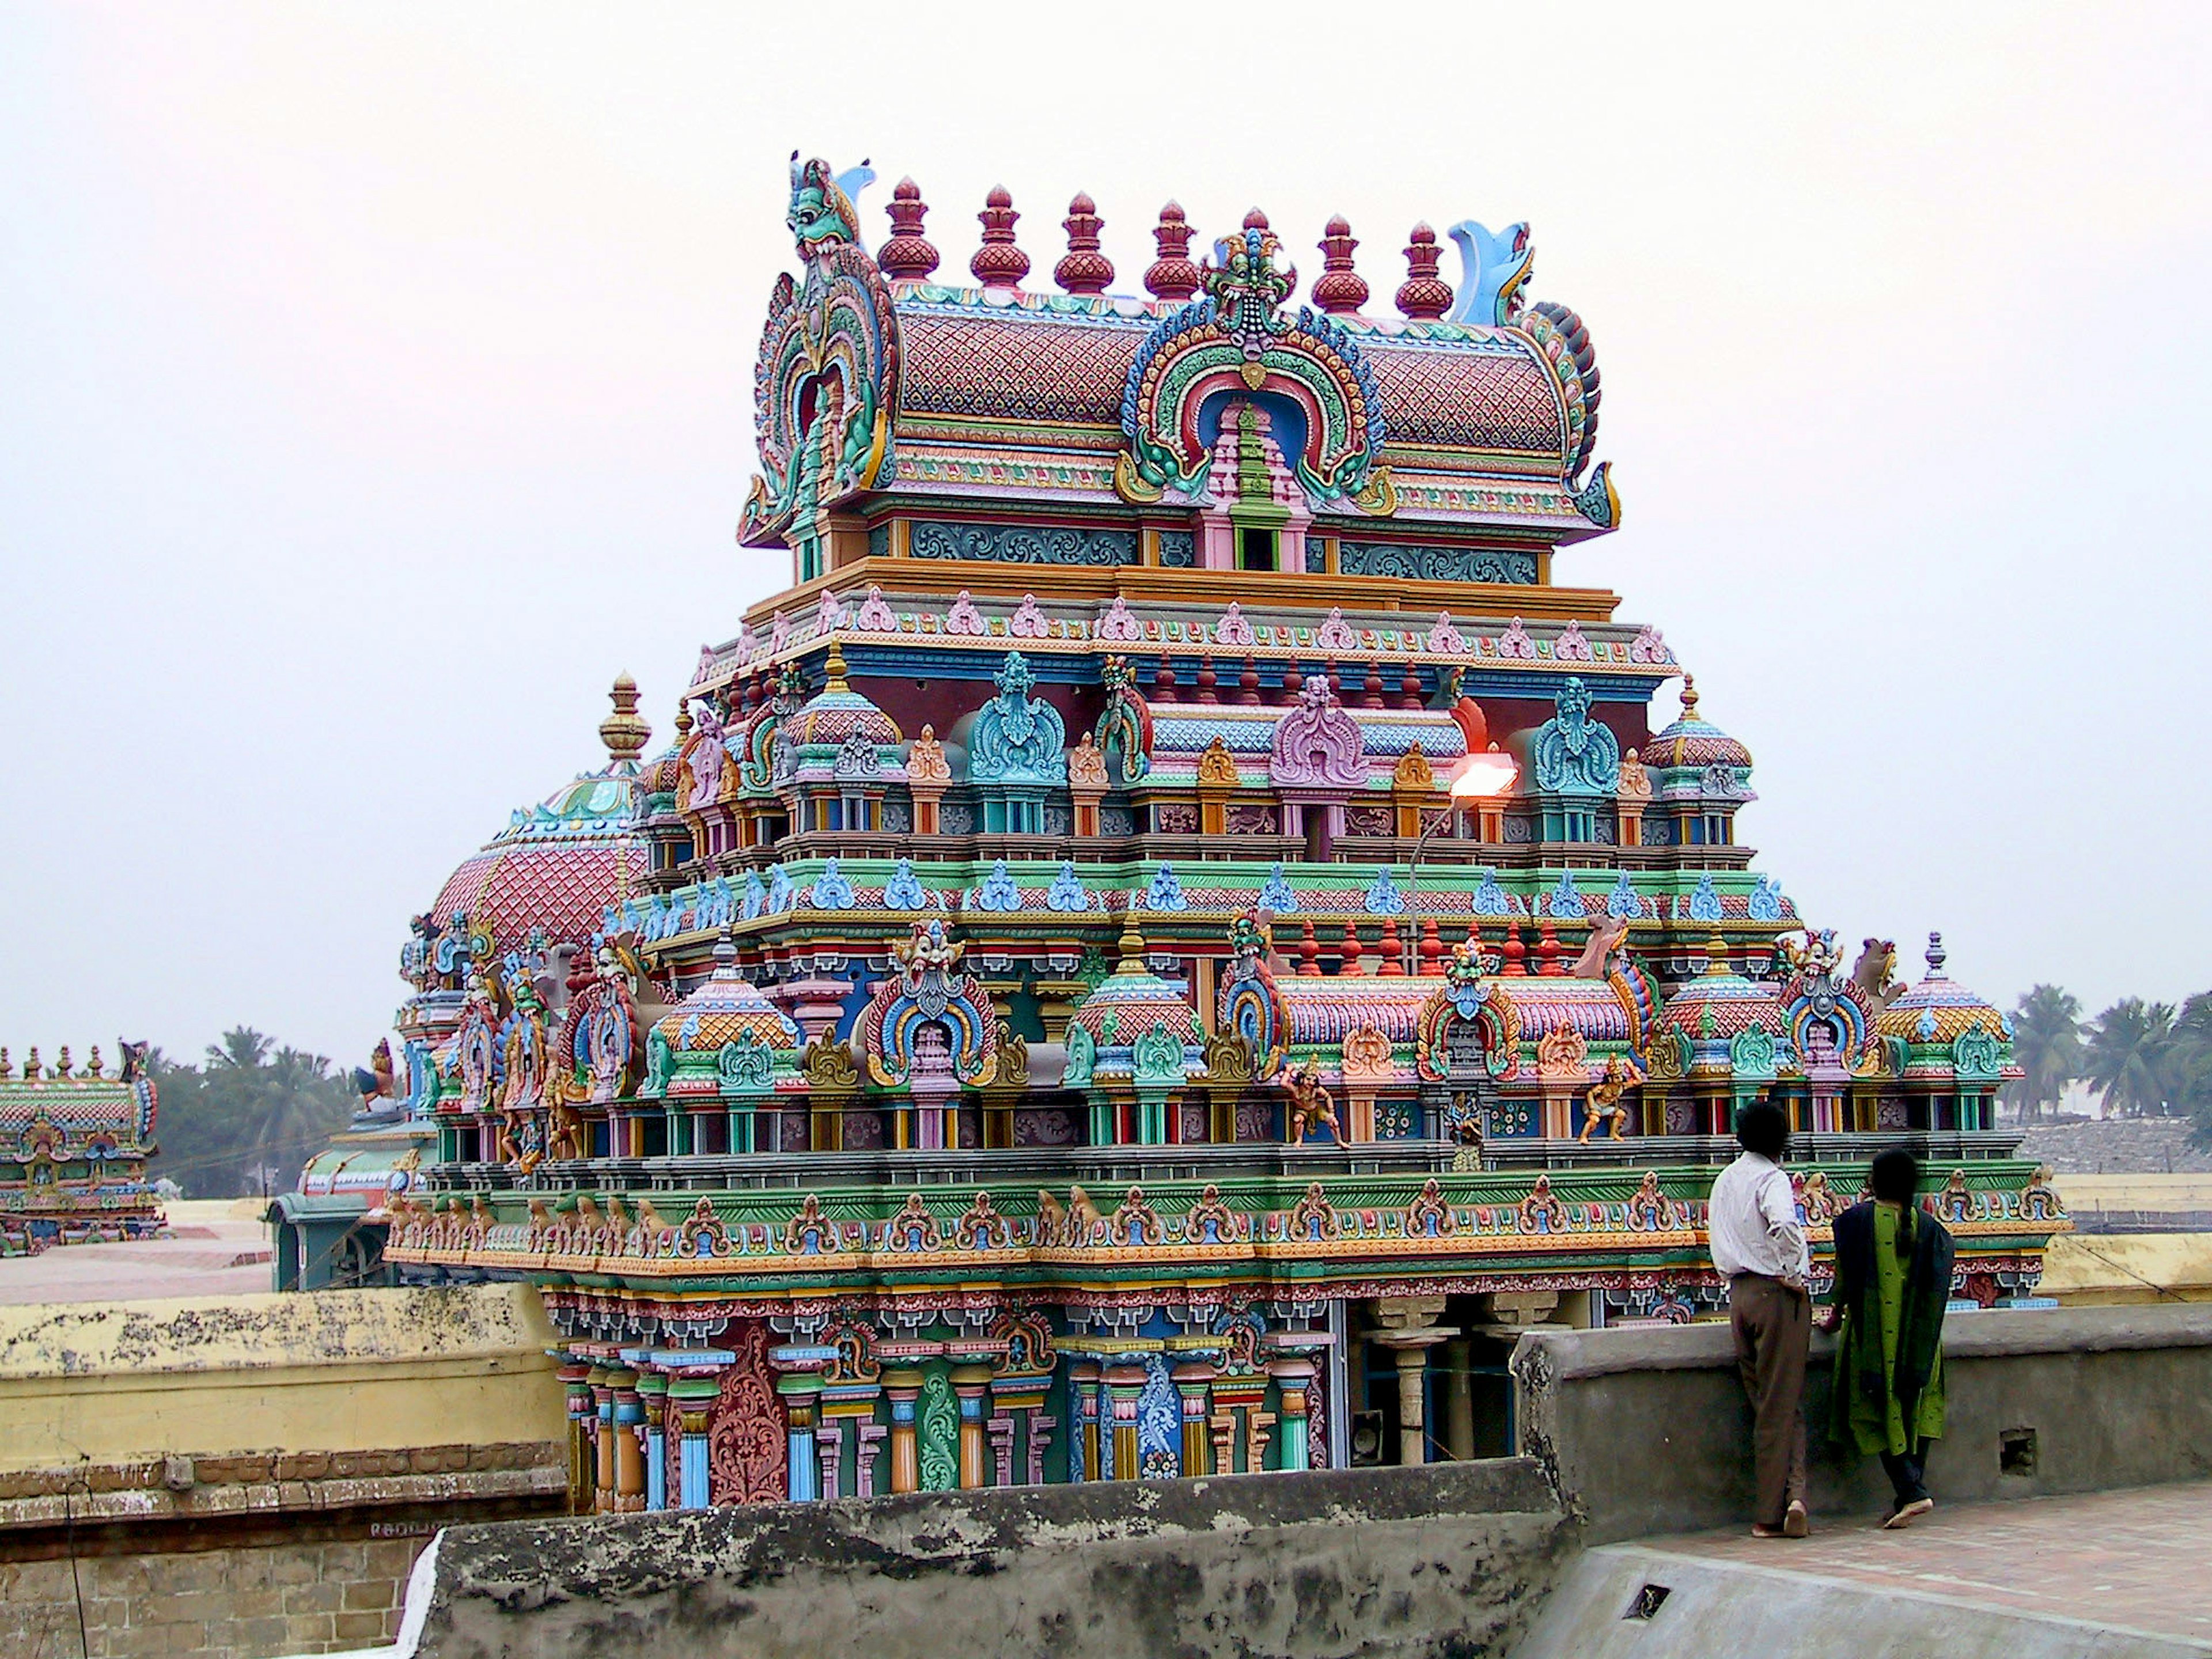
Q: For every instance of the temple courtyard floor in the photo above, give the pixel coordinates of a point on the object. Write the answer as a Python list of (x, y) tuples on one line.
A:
[(217, 1246), (2094, 1576)]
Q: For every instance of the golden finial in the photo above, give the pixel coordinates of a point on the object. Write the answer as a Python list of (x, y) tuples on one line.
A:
[(92, 1068), (1716, 956), (1132, 948), (624, 732), (61, 1067), (837, 669), (1689, 697)]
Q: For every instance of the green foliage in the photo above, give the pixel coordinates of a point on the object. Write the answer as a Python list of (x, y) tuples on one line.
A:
[(246, 1119), (2153, 1060), (2046, 1041)]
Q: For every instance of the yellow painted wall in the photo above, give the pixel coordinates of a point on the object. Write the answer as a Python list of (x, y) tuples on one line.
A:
[(2107, 1269), (2174, 1193), (332, 1370)]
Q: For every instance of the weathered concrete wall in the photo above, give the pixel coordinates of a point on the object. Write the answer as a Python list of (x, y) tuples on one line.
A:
[(1439, 1561), (341, 1370), (1647, 1430)]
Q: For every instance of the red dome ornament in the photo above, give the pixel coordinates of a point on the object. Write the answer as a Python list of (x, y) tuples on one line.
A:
[(1172, 276), (1423, 295), (907, 257), (1082, 268), (999, 262), (1339, 290)]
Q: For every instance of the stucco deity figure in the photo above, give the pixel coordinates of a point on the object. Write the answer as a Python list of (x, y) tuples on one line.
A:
[(708, 758), (1309, 1105), (1604, 1103)]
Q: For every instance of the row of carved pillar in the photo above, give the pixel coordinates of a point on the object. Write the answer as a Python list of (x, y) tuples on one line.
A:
[(1225, 1426), (621, 1423), (640, 1424)]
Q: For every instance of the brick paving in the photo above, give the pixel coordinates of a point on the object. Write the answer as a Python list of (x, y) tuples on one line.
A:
[(2136, 1558)]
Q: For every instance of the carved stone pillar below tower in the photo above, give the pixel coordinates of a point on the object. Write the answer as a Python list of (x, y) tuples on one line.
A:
[(602, 1442), (628, 1423), (1124, 1386), (870, 1436), (1293, 1377), (902, 1388), (1404, 1325), (691, 1404), (971, 1386), (1192, 1379)]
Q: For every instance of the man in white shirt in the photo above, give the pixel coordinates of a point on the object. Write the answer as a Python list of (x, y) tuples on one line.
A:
[(1759, 1247)]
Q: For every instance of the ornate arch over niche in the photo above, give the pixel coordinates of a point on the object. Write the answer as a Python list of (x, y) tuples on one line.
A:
[(1235, 343), (825, 384)]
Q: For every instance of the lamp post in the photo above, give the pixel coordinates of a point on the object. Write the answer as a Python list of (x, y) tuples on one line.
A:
[(1479, 777)]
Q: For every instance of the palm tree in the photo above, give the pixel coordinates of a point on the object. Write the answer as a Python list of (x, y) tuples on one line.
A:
[(2192, 1067), (2046, 1041), (2132, 1051)]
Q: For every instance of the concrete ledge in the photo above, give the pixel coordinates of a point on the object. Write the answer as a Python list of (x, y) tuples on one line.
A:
[(1646, 1430), (1441, 1560)]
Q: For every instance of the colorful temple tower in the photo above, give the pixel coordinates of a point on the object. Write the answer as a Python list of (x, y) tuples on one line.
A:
[(74, 1142), (1175, 937)]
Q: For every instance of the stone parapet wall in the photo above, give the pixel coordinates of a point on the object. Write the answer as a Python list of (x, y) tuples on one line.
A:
[(1374, 1562), (1646, 1430)]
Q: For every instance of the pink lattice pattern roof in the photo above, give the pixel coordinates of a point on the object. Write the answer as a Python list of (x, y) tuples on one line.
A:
[(1477, 400), (561, 888), (1011, 368)]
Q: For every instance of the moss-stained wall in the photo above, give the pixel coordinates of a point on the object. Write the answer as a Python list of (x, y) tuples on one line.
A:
[(337, 1370)]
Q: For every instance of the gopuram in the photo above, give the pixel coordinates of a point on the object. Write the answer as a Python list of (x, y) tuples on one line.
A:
[(1173, 938), (74, 1141)]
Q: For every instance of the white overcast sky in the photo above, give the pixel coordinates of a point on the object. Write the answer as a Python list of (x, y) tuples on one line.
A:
[(374, 384)]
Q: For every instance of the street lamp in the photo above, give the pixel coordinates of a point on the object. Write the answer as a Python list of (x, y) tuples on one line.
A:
[(1482, 776)]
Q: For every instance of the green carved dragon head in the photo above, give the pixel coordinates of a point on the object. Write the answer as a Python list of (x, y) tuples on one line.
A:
[(822, 215)]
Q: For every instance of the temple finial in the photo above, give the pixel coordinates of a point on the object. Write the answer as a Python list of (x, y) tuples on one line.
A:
[(999, 262), (1339, 290), (1424, 296), (1172, 276), (625, 731), (909, 256), (1082, 268)]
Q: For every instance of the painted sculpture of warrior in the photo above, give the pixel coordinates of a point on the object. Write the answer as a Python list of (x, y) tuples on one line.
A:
[(1310, 1106)]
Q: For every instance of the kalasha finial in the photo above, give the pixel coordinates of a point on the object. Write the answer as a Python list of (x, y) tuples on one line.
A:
[(1937, 956), (1690, 697), (624, 732), (909, 256), (999, 262), (1256, 220), (1172, 276), (1424, 296), (1082, 268), (1338, 290)]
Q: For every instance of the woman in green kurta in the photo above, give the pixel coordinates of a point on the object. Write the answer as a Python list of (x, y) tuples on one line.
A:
[(1892, 1283)]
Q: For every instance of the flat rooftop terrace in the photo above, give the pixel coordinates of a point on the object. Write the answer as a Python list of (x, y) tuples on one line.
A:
[(2131, 1561)]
